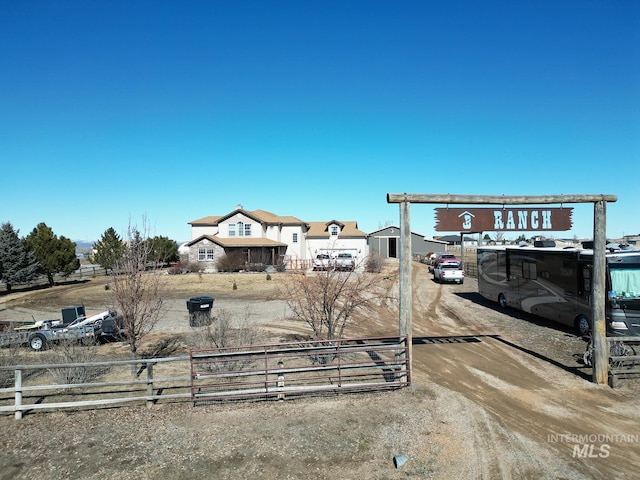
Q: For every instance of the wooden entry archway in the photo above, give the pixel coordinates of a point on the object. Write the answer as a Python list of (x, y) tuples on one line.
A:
[(600, 346)]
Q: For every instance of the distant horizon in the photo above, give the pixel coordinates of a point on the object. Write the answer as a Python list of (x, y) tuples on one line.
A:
[(80, 244)]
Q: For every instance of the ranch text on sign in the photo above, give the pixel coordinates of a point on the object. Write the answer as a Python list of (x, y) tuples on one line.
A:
[(500, 219)]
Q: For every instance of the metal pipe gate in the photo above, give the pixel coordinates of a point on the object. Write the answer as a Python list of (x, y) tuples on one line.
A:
[(285, 370)]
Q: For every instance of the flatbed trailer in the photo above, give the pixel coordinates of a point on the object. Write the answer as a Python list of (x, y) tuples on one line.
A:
[(103, 326), (38, 338)]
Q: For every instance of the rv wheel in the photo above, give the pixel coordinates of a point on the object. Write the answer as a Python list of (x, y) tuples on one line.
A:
[(582, 326), (502, 301)]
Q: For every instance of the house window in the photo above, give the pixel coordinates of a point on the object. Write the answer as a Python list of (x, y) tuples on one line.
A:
[(247, 229), (295, 238), (232, 229), (240, 229), (205, 254), (334, 231)]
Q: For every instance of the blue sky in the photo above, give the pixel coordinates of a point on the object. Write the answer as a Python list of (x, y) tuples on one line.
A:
[(111, 111)]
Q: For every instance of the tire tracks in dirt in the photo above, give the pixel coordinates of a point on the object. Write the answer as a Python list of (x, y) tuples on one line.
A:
[(511, 402)]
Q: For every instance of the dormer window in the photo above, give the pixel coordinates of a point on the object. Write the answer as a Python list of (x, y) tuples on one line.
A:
[(334, 230)]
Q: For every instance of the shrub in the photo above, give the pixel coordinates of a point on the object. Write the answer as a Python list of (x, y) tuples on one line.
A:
[(374, 263), (73, 351), (221, 333), (232, 262), (9, 356)]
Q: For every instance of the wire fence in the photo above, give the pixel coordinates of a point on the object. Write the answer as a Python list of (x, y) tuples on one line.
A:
[(85, 272)]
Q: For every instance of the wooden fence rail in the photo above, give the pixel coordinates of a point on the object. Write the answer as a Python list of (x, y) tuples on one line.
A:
[(150, 389), (218, 374), (624, 366)]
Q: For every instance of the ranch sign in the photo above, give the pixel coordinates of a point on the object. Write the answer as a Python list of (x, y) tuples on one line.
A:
[(474, 220)]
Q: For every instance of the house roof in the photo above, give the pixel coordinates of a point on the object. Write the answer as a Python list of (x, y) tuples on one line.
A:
[(394, 227), (261, 216), (321, 229), (238, 241), (388, 227), (210, 220)]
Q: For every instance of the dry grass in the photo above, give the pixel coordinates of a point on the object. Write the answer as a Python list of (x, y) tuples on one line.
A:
[(95, 295)]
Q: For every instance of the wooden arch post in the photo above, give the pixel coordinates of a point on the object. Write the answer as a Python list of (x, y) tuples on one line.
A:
[(598, 285)]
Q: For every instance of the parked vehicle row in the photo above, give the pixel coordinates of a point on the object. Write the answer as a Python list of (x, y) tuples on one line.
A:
[(439, 258), (343, 261)]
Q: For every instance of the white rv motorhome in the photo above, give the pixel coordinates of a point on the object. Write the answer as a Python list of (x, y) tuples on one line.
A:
[(555, 284)]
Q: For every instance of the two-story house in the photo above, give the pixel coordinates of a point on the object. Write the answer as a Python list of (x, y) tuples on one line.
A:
[(264, 237)]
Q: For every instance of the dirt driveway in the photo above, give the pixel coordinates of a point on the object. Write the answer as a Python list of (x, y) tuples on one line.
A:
[(495, 395), (521, 390)]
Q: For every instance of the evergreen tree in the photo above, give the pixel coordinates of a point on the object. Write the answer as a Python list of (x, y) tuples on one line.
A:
[(162, 250), (67, 260), (55, 255), (109, 249), (17, 263)]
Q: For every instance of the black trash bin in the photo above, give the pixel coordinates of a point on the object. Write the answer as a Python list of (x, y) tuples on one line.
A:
[(200, 311)]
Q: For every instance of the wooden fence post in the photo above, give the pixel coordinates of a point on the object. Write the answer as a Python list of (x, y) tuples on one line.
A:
[(149, 384), (598, 327), (406, 290), (18, 393)]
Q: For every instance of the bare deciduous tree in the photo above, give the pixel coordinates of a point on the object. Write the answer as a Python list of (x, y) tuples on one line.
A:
[(137, 289), (328, 300)]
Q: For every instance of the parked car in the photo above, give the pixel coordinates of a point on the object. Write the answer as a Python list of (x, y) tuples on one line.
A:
[(448, 272), (345, 261), (322, 261)]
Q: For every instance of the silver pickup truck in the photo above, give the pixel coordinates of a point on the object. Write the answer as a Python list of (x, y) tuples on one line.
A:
[(448, 272)]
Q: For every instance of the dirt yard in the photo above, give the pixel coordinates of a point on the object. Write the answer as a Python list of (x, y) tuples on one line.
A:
[(495, 395)]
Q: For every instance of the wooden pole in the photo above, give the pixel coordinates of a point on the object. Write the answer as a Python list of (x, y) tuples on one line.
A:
[(406, 289), (149, 385), (598, 295), (496, 199), (18, 393)]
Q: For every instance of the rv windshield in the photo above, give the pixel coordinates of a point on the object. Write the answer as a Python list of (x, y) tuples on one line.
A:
[(625, 282)]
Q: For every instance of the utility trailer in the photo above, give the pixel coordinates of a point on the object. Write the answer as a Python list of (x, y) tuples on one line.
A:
[(103, 326), (39, 338)]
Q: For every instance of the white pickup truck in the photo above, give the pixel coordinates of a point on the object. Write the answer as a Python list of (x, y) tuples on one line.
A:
[(345, 261), (448, 272)]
